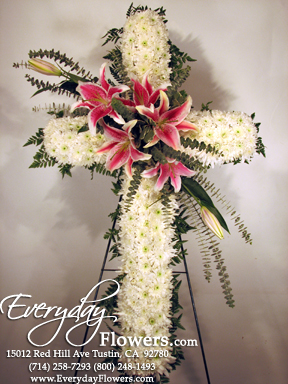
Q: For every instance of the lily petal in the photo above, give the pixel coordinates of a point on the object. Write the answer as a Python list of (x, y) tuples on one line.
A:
[(140, 95), (164, 103), (164, 175), (118, 89), (152, 142), (117, 157), (151, 112), (180, 169), (106, 147), (114, 134), (82, 104), (151, 172), (146, 83), (128, 168), (96, 114), (129, 103), (169, 135), (175, 181), (115, 116), (103, 81), (92, 93), (186, 126), (178, 114), (128, 126), (137, 155)]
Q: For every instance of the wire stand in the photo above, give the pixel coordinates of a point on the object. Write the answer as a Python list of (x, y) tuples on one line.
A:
[(186, 272)]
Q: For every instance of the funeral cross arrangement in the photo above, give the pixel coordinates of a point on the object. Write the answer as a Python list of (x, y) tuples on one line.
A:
[(141, 130)]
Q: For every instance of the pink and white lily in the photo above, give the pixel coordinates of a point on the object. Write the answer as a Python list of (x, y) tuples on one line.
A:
[(173, 169), (144, 94), (121, 147), (98, 99), (168, 122)]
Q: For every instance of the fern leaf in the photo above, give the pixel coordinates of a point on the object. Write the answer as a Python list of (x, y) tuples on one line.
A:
[(100, 168), (42, 159), (209, 248), (36, 139), (134, 185)]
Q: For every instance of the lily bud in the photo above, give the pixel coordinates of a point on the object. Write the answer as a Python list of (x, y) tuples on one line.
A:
[(211, 221), (44, 67)]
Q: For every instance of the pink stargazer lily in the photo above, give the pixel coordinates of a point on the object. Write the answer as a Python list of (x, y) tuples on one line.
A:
[(98, 99), (121, 147), (173, 169), (168, 122), (144, 94)]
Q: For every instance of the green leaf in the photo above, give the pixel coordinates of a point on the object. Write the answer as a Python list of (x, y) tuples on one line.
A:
[(190, 58), (84, 128), (205, 107), (148, 134), (65, 169), (69, 86), (195, 190), (158, 155), (36, 139), (40, 91), (76, 79)]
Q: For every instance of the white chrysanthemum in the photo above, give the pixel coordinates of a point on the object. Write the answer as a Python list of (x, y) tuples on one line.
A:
[(144, 298), (145, 47), (62, 141), (233, 134)]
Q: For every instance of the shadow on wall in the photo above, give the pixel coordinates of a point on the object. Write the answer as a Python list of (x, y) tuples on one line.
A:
[(201, 82), (87, 202)]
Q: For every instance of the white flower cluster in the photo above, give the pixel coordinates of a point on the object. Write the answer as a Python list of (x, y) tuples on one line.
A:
[(147, 248), (145, 47), (62, 141), (233, 134)]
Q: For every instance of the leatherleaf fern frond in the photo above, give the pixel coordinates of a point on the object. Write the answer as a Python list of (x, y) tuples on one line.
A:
[(207, 241), (140, 8), (187, 142), (114, 34), (260, 147), (117, 68), (36, 139), (179, 73), (66, 87), (209, 247), (63, 88), (100, 168), (110, 304), (42, 159), (176, 323), (133, 188)]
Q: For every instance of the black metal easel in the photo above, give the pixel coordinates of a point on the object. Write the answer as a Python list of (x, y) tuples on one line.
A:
[(103, 269)]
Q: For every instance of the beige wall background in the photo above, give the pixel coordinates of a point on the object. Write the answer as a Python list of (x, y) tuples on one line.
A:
[(52, 230)]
